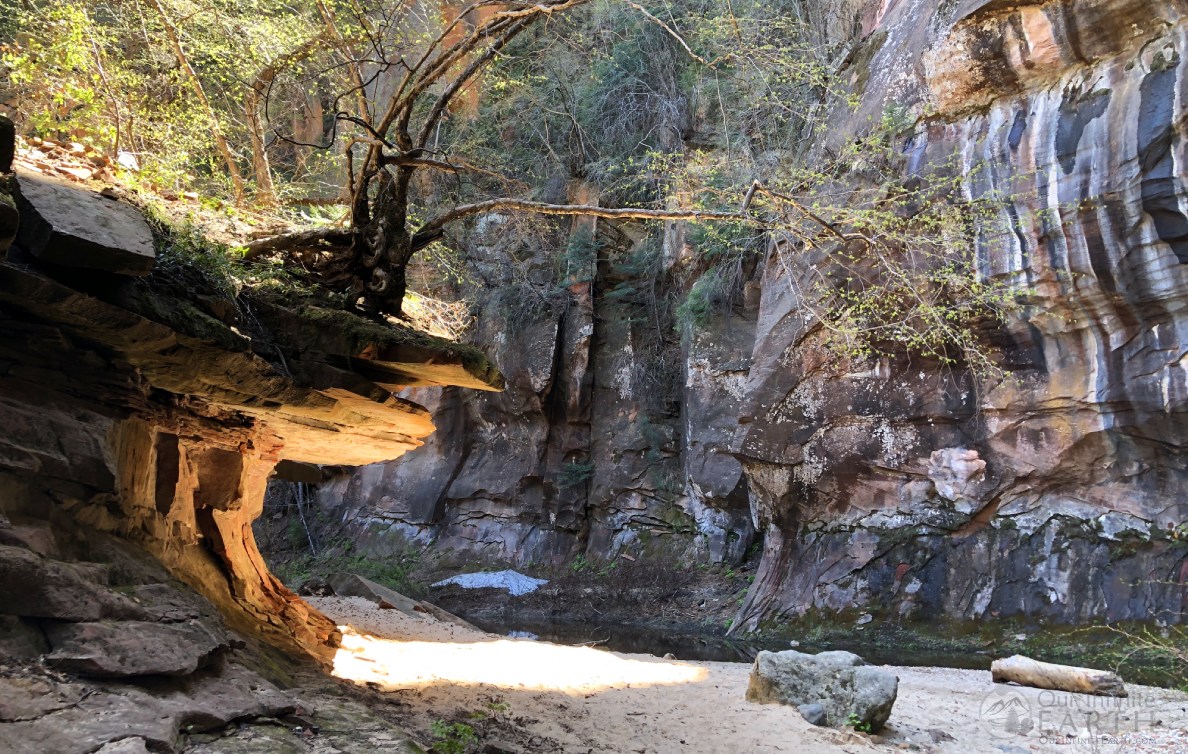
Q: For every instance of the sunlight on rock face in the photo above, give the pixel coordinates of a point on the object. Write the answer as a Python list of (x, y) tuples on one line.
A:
[(503, 663)]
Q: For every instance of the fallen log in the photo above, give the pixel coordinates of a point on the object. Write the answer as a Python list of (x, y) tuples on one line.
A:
[(1045, 675), (353, 585)]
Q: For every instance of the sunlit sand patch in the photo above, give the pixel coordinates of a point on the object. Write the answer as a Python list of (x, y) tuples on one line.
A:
[(503, 663)]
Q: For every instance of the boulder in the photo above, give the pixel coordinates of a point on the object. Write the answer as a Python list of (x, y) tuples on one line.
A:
[(132, 648), (70, 226), (847, 689), (814, 714)]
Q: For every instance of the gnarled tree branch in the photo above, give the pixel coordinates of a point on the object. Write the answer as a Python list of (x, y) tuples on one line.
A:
[(588, 210), (306, 239)]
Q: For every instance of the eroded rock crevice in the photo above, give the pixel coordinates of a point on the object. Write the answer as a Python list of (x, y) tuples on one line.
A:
[(141, 432)]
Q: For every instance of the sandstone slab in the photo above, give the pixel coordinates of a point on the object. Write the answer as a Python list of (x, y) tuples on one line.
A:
[(134, 745), (71, 226), (30, 697), (40, 588), (156, 712), (132, 648)]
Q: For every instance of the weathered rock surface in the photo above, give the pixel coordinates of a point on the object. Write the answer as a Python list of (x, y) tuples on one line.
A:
[(814, 714), (134, 745), (37, 587), (134, 412), (587, 451), (914, 490), (70, 226), (132, 648), (172, 646), (49, 715), (847, 690), (21, 639), (903, 487), (140, 434)]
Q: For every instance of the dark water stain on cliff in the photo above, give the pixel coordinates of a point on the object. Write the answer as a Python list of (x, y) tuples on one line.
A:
[(1077, 112), (1156, 134), (1018, 128)]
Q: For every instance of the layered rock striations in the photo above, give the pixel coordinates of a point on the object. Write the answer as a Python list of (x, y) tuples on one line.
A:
[(919, 491), (152, 411), (900, 486), (601, 445)]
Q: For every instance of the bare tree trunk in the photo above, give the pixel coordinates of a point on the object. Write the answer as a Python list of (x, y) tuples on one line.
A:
[(265, 189), (200, 91), (307, 129), (254, 106)]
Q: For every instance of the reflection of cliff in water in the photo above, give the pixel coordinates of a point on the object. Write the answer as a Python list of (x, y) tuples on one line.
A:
[(706, 647)]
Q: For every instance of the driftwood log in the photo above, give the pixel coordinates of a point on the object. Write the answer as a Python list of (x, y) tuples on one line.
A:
[(1044, 675)]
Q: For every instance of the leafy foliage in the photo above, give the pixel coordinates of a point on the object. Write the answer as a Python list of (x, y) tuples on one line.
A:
[(575, 473), (452, 738), (857, 723), (677, 105)]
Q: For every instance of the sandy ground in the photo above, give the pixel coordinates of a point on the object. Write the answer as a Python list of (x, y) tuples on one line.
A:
[(543, 697)]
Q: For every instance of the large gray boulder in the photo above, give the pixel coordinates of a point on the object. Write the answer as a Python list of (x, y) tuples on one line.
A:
[(840, 682)]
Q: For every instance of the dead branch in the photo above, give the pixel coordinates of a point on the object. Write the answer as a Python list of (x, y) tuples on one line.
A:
[(588, 210), (306, 239)]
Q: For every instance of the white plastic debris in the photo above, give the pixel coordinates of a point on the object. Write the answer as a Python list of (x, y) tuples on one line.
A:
[(516, 584)]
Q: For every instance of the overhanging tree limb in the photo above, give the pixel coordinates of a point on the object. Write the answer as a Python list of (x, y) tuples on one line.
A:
[(588, 210)]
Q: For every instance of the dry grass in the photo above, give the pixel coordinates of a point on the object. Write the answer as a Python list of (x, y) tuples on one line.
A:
[(444, 319)]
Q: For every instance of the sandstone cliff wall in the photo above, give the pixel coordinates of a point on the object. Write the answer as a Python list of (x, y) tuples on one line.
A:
[(913, 490), (901, 487)]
